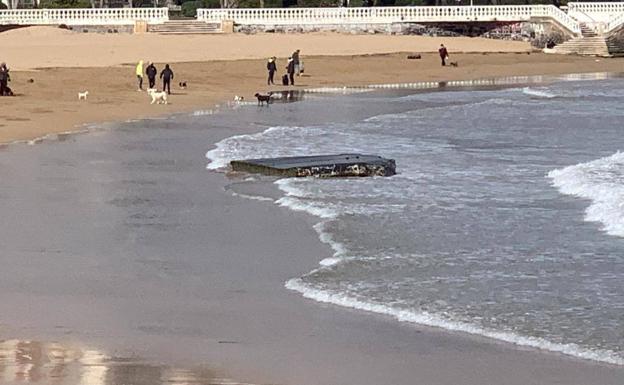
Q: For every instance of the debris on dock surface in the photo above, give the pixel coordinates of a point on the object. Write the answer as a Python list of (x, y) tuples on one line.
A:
[(324, 166)]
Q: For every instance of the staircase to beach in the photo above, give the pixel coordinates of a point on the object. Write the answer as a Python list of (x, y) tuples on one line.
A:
[(585, 45), (587, 31), (591, 43), (184, 27)]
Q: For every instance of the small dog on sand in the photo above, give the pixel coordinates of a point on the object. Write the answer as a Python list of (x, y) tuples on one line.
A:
[(454, 64), (263, 99), (238, 98), (83, 95), (182, 85), (158, 97)]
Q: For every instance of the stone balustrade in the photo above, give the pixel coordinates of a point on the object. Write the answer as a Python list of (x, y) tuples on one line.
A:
[(597, 14), (615, 23), (386, 15), (602, 16), (83, 16)]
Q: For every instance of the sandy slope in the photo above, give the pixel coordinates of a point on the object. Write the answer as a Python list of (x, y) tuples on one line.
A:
[(37, 47)]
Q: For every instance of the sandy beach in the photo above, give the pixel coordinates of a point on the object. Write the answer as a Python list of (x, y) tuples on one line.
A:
[(216, 68), (95, 203)]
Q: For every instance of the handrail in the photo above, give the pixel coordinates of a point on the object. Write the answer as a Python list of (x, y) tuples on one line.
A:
[(597, 7), (595, 13), (384, 15), (83, 16), (558, 15), (615, 23)]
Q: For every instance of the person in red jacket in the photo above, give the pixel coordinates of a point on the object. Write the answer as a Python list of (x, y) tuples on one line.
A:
[(443, 54)]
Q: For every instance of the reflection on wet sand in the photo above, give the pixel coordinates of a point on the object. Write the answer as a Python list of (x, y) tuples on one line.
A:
[(53, 363)]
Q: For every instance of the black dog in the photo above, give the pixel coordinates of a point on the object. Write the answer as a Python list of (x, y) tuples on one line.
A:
[(454, 64), (263, 99), (182, 85)]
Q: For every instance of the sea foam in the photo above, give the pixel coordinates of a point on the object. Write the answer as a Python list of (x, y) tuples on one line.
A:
[(242, 146), (533, 92), (429, 319), (602, 182)]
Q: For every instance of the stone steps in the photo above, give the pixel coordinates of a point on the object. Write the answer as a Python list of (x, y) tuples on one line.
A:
[(590, 46), (184, 27), (587, 31)]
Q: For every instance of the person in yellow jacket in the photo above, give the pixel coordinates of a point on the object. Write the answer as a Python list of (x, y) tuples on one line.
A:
[(139, 74)]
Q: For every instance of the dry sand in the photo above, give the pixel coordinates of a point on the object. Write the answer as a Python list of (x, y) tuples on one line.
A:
[(38, 47), (101, 64)]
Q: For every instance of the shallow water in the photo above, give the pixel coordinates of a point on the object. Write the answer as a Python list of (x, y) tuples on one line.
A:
[(506, 217), (23, 361)]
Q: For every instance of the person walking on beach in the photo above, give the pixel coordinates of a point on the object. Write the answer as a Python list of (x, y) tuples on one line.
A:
[(290, 69), (443, 54), (271, 67), (4, 79), (139, 74), (151, 73), (295, 57), (167, 75)]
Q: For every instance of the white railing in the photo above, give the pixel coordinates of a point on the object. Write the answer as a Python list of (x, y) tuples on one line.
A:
[(599, 12), (367, 15), (552, 12), (386, 15), (83, 16), (615, 23)]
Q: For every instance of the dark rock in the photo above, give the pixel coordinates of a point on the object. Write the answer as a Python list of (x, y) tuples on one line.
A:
[(324, 166)]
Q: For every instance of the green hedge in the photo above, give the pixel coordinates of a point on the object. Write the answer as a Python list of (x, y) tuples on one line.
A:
[(64, 4), (189, 8)]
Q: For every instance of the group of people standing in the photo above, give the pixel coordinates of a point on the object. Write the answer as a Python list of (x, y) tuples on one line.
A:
[(166, 75), (293, 67)]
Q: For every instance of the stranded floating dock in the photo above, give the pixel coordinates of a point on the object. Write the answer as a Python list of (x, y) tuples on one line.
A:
[(323, 166)]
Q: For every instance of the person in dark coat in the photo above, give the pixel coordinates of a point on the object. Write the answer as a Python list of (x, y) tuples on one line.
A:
[(271, 67), (290, 69), (151, 73), (4, 79), (295, 57), (167, 75), (443, 54)]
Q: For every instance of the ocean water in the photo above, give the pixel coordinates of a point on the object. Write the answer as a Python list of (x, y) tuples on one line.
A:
[(506, 217)]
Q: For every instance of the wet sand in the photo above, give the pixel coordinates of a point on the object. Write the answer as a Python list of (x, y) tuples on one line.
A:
[(121, 242)]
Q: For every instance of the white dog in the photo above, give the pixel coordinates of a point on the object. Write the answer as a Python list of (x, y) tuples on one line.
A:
[(83, 95), (158, 97), (238, 98)]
